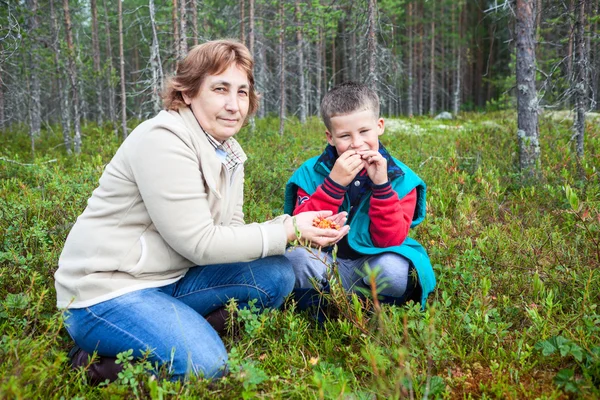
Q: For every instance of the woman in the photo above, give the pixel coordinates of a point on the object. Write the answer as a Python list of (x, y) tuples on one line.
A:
[(162, 245)]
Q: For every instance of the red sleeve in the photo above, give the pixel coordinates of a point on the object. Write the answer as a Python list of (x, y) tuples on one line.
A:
[(390, 216), (328, 196)]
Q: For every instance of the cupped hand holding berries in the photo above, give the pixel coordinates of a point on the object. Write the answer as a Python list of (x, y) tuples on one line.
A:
[(375, 165), (316, 235), (346, 167)]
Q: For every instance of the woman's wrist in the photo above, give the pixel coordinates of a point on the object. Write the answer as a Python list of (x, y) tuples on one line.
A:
[(290, 228)]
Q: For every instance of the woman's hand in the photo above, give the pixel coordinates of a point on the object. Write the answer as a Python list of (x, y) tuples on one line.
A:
[(317, 237)]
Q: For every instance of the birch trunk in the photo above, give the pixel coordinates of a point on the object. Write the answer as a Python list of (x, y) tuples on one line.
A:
[(527, 101), (195, 22)]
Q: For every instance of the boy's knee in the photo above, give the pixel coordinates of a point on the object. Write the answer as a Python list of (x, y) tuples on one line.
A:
[(307, 267), (393, 274)]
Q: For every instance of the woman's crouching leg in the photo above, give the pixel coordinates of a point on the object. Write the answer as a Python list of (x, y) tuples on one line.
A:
[(172, 335)]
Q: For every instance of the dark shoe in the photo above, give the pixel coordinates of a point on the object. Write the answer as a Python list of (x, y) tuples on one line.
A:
[(218, 320), (100, 370)]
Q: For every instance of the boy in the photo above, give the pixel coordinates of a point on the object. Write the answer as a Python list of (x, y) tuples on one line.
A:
[(382, 196)]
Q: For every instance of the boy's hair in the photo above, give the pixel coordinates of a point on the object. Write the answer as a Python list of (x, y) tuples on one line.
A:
[(346, 98), (210, 58)]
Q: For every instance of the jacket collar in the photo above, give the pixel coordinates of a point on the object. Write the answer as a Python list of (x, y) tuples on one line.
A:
[(210, 164)]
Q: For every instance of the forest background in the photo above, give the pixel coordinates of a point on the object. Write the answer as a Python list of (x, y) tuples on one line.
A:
[(513, 203)]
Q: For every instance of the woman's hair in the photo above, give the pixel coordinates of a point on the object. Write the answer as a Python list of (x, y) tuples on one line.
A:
[(210, 58), (347, 98)]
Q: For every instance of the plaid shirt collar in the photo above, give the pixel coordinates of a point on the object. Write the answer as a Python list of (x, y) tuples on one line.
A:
[(234, 153)]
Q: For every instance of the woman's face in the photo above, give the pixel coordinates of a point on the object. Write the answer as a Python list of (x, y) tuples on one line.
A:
[(221, 104)]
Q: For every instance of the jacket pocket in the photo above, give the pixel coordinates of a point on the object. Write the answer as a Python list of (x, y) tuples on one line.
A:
[(151, 256)]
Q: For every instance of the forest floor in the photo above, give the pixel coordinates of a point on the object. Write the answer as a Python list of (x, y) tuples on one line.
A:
[(514, 315)]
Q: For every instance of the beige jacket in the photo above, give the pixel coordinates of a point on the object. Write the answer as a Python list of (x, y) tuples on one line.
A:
[(164, 203)]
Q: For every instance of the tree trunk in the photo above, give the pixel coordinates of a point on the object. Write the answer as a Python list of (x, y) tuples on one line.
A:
[(596, 63), (183, 47), (281, 70), (432, 64), (261, 82), (457, 56), (353, 60), (372, 44), (35, 106), (242, 18), (122, 68), (96, 58), (62, 93), (333, 59), (570, 44), (490, 62), (527, 101), (319, 63), (477, 86), (155, 63), (195, 22), (323, 42), (251, 27), (411, 89), (580, 81), (2, 114), (73, 77), (112, 108), (420, 65), (176, 40), (300, 51)]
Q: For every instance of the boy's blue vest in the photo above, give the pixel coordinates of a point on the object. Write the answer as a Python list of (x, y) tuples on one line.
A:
[(313, 172)]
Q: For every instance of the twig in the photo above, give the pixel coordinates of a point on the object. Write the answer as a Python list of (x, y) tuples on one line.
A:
[(426, 161), (27, 164)]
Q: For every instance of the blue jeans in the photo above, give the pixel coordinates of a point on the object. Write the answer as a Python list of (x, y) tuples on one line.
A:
[(395, 284), (169, 320)]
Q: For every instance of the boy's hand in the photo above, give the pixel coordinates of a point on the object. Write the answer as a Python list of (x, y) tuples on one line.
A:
[(346, 167), (375, 165)]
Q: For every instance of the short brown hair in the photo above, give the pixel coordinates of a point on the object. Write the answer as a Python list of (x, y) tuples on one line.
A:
[(346, 98), (210, 58)]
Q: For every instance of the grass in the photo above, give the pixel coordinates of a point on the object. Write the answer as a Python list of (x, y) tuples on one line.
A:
[(515, 313)]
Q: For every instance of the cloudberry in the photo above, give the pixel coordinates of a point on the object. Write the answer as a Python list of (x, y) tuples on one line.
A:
[(325, 223)]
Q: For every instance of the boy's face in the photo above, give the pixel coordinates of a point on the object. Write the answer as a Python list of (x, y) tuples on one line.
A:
[(359, 130)]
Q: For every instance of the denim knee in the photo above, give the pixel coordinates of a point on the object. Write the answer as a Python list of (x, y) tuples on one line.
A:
[(283, 281), (207, 364), (393, 275)]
